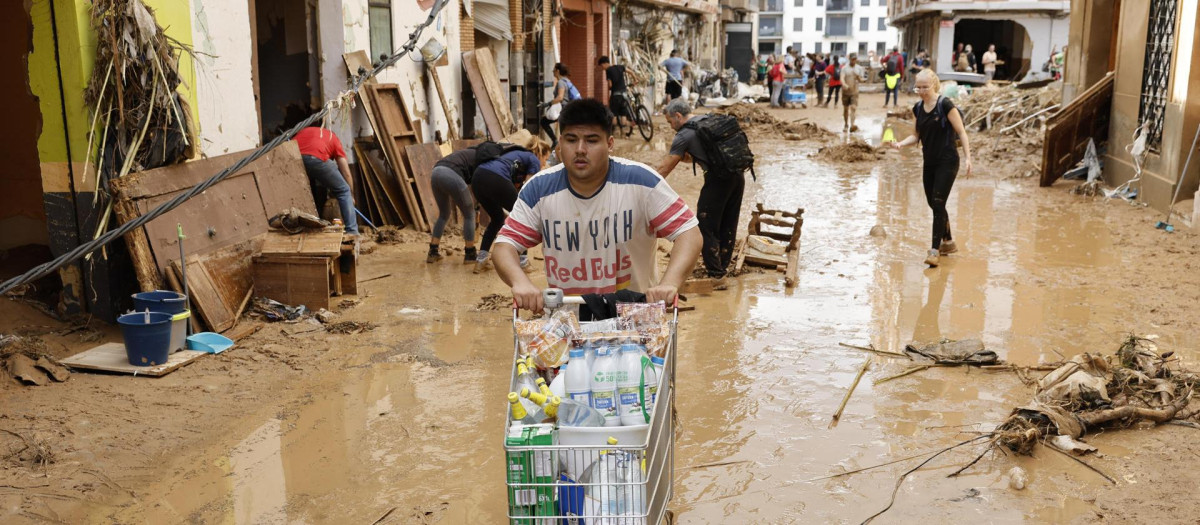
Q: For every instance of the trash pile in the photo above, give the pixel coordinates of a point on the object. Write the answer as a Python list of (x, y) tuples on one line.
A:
[(26, 360), (1009, 109), (1137, 386), (604, 381), (757, 121), (856, 150)]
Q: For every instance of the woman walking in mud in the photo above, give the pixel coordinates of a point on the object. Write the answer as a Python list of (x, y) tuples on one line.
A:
[(939, 127)]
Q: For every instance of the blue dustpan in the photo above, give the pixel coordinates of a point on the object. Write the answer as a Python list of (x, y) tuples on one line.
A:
[(210, 342)]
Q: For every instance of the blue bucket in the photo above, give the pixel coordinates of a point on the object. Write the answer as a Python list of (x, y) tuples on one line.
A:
[(164, 301), (146, 343)]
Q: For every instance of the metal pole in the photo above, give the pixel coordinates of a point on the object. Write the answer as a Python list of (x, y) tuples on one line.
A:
[(1179, 183)]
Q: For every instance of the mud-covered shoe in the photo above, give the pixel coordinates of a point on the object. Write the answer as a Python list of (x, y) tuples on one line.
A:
[(469, 255), (482, 262), (948, 247), (434, 255), (932, 259)]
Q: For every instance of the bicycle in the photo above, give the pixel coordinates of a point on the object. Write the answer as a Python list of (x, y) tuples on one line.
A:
[(636, 114)]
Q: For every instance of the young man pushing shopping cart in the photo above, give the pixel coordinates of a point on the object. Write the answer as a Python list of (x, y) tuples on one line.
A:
[(598, 219)]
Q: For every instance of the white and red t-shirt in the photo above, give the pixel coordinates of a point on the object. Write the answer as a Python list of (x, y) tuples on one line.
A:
[(603, 243)]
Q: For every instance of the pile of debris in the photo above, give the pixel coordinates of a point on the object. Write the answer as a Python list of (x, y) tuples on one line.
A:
[(397, 235), (1137, 386), (757, 121), (1010, 109), (856, 150), (26, 360)]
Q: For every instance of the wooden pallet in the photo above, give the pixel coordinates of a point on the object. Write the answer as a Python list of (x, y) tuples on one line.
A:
[(790, 221), (111, 357)]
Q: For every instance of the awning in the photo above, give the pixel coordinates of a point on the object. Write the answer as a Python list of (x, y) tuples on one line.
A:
[(491, 17)]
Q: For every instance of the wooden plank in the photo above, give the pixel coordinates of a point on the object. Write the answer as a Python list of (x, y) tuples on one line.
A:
[(793, 265), (758, 258), (228, 214), (421, 158), (355, 60), (138, 245), (464, 143), (395, 132), (385, 189), (293, 280), (482, 99), (205, 298), (437, 84), (700, 286), (323, 244), (284, 159), (741, 256), (111, 357), (491, 81)]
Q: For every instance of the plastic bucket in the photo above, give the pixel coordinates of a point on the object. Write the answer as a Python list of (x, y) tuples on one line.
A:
[(164, 301), (179, 330), (147, 337)]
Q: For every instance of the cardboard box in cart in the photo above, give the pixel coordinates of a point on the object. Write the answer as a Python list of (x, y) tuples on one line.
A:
[(531, 474)]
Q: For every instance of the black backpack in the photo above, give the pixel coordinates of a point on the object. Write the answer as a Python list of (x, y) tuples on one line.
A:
[(725, 144), (893, 64)]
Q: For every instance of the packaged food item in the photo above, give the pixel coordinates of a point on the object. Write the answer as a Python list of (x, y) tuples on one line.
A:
[(526, 330), (649, 320), (606, 325), (549, 346)]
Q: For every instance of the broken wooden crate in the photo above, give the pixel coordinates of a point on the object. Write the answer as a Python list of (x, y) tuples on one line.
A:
[(305, 269), (758, 248)]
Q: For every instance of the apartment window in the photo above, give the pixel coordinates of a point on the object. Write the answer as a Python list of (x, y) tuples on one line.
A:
[(379, 15), (879, 48), (768, 27), (838, 26), (862, 49), (1160, 41), (799, 47), (864, 24), (799, 3), (866, 3), (883, 23), (820, 3), (817, 47), (797, 24), (882, 3), (820, 24)]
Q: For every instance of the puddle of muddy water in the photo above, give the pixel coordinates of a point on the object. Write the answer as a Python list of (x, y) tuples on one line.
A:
[(413, 418)]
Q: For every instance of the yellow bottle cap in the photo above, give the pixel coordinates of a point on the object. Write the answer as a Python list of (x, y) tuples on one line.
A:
[(513, 397), (612, 440), (525, 392)]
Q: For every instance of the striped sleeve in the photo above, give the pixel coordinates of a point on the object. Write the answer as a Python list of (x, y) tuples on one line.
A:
[(670, 216), (521, 227)]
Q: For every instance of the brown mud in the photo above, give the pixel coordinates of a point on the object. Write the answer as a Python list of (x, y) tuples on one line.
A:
[(296, 424)]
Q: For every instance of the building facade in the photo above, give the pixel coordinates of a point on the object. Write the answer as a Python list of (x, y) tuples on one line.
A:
[(829, 27), (1149, 46), (1025, 32)]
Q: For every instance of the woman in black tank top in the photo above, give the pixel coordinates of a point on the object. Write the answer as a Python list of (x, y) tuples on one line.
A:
[(939, 129)]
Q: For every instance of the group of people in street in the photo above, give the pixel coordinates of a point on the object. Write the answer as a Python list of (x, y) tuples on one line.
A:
[(964, 60)]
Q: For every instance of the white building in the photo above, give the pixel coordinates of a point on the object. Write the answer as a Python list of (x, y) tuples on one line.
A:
[(1025, 32), (825, 26)]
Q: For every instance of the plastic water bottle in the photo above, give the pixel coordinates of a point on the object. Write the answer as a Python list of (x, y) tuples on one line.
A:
[(601, 497), (539, 414), (578, 377), (572, 413), (543, 387), (658, 363), (558, 386), (634, 400), (604, 386)]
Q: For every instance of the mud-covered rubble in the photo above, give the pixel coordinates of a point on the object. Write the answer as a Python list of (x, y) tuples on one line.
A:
[(25, 359), (854, 151), (761, 124)]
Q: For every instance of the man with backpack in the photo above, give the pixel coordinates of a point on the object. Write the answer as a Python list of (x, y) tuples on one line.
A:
[(715, 142), (500, 169), (893, 74)]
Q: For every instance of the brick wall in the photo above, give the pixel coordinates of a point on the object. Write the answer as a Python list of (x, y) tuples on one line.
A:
[(583, 38)]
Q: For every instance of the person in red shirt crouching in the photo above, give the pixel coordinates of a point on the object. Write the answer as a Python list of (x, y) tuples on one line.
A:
[(328, 171)]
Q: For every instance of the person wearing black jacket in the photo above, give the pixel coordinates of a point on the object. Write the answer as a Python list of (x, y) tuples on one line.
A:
[(451, 178), (939, 128)]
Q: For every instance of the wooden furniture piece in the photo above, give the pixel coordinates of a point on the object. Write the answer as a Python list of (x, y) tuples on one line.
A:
[(306, 268), (791, 221)]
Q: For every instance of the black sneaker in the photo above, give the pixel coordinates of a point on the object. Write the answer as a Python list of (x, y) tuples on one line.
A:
[(469, 256)]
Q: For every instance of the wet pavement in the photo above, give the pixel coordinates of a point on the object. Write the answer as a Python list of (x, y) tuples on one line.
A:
[(410, 422)]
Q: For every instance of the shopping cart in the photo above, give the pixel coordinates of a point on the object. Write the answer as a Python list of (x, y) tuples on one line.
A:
[(544, 480)]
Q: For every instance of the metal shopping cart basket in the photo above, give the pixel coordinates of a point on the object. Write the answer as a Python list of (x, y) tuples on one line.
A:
[(630, 482)]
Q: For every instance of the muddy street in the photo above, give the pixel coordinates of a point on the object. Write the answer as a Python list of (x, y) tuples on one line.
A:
[(405, 420)]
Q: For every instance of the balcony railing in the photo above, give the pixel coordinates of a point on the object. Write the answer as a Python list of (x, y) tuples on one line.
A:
[(839, 6)]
